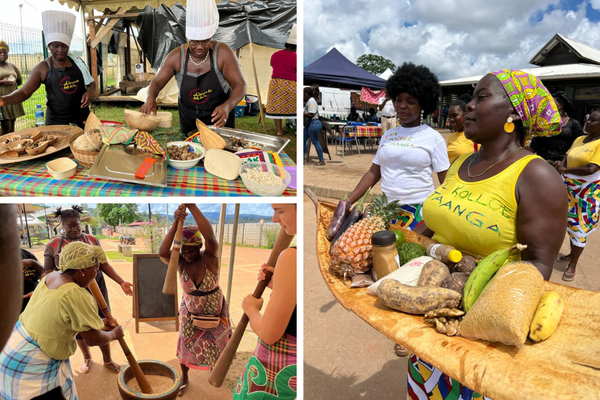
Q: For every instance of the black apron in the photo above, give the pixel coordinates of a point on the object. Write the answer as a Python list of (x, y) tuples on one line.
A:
[(199, 96), (64, 90)]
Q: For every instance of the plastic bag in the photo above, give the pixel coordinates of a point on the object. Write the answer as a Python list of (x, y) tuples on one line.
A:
[(408, 274), (503, 312), (361, 280)]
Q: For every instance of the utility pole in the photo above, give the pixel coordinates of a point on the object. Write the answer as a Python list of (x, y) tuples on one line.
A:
[(23, 41)]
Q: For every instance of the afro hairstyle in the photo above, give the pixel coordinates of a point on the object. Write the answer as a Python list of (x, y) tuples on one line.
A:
[(418, 81)]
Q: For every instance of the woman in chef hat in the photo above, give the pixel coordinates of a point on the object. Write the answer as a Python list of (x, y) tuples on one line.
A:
[(69, 85), (207, 72)]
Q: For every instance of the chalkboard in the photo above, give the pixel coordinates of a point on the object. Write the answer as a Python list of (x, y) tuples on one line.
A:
[(149, 302)]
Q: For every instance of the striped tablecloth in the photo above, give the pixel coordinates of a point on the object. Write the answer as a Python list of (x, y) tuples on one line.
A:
[(31, 178), (369, 131)]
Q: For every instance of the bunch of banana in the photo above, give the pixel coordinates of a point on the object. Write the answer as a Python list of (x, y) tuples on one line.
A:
[(483, 274), (547, 316)]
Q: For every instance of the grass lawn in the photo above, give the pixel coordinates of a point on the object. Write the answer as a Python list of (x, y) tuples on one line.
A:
[(115, 255)]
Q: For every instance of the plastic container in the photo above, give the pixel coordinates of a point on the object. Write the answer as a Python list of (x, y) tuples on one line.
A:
[(384, 253), (39, 116), (443, 252), (62, 168), (264, 190), (239, 111), (178, 164)]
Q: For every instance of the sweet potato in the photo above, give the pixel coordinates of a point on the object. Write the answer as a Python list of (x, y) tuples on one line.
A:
[(467, 264), (416, 299), (433, 274), (456, 281)]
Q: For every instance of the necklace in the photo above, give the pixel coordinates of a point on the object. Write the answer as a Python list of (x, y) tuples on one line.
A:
[(488, 168), (56, 64), (201, 62)]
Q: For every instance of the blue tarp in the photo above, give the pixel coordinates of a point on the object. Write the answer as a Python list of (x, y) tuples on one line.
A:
[(335, 70)]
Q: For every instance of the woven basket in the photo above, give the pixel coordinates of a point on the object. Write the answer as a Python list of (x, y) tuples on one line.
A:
[(85, 158)]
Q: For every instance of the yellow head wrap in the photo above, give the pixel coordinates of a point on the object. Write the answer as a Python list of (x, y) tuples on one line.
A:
[(3, 45), (79, 255)]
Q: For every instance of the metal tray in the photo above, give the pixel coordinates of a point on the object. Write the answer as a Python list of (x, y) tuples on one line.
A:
[(119, 163), (266, 142)]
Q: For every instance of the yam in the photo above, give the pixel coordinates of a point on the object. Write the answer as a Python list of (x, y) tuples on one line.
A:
[(456, 281), (416, 299), (433, 274), (467, 264), (504, 310)]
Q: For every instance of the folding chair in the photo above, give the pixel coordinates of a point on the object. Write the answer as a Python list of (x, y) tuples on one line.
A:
[(348, 136)]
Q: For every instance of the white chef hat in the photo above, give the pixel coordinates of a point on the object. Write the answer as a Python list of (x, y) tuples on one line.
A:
[(58, 26), (292, 37), (202, 19)]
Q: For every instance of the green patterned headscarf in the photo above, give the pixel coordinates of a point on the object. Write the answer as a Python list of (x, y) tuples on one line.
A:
[(532, 101), (79, 255)]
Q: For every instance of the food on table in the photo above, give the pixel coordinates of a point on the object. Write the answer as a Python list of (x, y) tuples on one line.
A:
[(400, 238), (407, 274), (182, 153), (443, 325), (384, 253), (88, 142), (484, 272), (353, 252), (467, 264), (547, 316), (264, 178), (339, 216), (444, 312), (433, 274), (209, 138), (222, 163), (159, 383), (504, 311), (416, 299), (456, 281), (408, 251), (355, 215), (32, 143), (143, 122), (444, 253)]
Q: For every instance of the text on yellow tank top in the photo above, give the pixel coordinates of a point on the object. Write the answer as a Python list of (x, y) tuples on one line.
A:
[(477, 218)]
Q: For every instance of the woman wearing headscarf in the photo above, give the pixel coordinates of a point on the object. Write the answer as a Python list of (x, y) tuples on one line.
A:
[(519, 196), (207, 72), (553, 149), (10, 80), (36, 358), (71, 222), (198, 346), (281, 102), (69, 85), (458, 144), (271, 370), (581, 172)]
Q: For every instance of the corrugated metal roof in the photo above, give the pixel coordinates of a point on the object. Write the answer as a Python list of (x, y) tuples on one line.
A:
[(583, 50), (567, 71)]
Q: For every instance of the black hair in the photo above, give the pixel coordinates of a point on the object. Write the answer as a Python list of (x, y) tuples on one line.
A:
[(462, 101), (418, 81), (290, 47), (73, 212), (562, 98)]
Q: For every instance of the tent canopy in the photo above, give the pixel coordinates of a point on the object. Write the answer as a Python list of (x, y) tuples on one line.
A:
[(335, 70), (386, 74)]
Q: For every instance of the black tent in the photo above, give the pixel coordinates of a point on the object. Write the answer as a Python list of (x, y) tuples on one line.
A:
[(335, 70)]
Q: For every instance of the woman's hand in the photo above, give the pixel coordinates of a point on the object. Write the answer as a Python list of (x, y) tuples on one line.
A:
[(219, 115), (149, 107), (180, 213), (6, 81), (250, 303), (108, 325), (262, 275), (118, 332), (86, 99), (127, 288)]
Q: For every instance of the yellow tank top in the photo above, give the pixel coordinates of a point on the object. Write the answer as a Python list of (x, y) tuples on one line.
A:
[(477, 218), (458, 145)]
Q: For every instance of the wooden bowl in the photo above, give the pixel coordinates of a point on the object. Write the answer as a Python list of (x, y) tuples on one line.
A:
[(143, 122), (38, 150)]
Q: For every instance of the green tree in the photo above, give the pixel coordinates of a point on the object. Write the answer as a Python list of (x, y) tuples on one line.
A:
[(112, 213), (375, 64)]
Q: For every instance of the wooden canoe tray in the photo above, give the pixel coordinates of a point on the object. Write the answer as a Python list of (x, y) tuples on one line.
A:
[(565, 366), (64, 133)]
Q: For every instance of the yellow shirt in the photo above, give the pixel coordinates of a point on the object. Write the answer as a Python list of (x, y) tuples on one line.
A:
[(477, 218), (54, 316), (458, 145), (581, 154)]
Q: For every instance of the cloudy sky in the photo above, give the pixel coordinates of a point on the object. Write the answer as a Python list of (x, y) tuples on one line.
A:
[(453, 38)]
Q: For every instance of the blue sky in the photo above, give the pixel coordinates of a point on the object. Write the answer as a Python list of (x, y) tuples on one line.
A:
[(454, 38)]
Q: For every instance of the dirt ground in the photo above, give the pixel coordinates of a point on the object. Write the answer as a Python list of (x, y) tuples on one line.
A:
[(344, 357), (158, 340)]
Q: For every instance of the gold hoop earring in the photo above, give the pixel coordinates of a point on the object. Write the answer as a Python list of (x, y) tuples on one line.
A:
[(509, 127), (82, 274)]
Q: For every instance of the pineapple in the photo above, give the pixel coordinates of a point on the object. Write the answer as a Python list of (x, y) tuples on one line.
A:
[(353, 253)]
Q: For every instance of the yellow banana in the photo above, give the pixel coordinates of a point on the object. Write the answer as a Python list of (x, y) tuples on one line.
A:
[(547, 316), (483, 274)]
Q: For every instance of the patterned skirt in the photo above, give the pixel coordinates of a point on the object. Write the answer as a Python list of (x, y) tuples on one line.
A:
[(584, 207), (281, 102), (270, 372), (410, 217), (26, 371)]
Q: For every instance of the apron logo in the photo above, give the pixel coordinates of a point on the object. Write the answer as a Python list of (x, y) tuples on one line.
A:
[(198, 97), (68, 86)]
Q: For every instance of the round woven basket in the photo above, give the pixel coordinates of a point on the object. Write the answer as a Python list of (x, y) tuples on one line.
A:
[(85, 158)]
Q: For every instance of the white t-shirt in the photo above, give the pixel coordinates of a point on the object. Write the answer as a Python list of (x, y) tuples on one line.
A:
[(388, 110), (312, 107), (407, 158)]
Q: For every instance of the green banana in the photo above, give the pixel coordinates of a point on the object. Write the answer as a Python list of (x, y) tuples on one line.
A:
[(547, 316), (483, 274)]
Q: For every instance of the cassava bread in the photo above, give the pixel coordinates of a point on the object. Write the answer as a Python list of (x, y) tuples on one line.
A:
[(504, 310), (143, 122), (222, 163)]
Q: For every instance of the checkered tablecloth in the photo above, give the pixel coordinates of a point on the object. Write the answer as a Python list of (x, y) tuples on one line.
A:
[(31, 178), (369, 131)]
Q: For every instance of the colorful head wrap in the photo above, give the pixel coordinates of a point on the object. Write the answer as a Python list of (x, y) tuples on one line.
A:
[(80, 255), (532, 101), (190, 236), (3, 45)]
